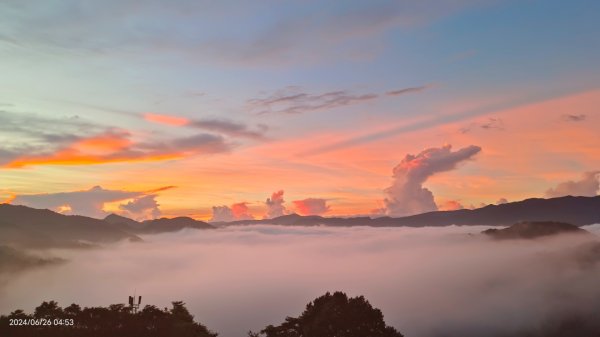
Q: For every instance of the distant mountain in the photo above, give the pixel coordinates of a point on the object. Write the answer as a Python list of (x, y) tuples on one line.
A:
[(575, 210), (42, 228), (534, 229), (156, 226)]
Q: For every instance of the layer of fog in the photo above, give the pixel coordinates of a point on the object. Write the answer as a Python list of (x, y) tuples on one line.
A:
[(425, 280)]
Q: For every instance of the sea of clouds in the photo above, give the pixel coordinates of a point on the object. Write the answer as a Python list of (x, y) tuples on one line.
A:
[(425, 280)]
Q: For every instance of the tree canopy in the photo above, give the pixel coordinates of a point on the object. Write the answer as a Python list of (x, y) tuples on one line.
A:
[(334, 315)]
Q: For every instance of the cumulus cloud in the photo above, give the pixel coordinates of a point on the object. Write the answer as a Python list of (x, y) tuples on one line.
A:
[(237, 211), (240, 211), (311, 206), (222, 213), (141, 208), (90, 202), (588, 186), (407, 195), (275, 205)]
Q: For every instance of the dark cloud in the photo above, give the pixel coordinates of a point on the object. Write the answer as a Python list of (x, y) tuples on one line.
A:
[(491, 123), (205, 143), (573, 118), (407, 91), (230, 128), (407, 195), (221, 126), (293, 101), (311, 206), (32, 129), (588, 186), (275, 205)]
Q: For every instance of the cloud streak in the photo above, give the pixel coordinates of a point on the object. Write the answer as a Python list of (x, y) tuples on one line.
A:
[(293, 100), (117, 147), (221, 126)]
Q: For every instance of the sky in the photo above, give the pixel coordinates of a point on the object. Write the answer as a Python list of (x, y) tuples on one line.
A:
[(235, 109)]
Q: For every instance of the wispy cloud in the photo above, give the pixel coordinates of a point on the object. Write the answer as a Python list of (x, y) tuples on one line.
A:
[(309, 33), (165, 119), (491, 123), (222, 126), (407, 90), (294, 100), (573, 118)]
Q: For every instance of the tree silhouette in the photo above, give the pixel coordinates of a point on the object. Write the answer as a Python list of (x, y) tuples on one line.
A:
[(334, 315), (116, 320)]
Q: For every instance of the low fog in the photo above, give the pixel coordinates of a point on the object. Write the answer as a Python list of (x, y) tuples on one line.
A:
[(427, 281)]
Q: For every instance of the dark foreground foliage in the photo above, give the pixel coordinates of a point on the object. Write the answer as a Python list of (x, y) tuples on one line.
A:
[(116, 320), (333, 315)]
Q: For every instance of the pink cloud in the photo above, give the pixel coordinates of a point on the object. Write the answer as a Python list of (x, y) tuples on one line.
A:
[(312, 206)]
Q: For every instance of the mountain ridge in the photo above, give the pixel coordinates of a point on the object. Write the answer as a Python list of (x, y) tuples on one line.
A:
[(576, 210)]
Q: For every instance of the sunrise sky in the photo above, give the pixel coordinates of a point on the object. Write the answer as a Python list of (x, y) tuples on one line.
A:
[(160, 108)]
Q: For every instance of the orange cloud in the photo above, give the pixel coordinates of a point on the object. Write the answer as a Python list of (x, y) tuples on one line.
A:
[(165, 119), (450, 205), (109, 147), (114, 147), (72, 158), (107, 142)]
